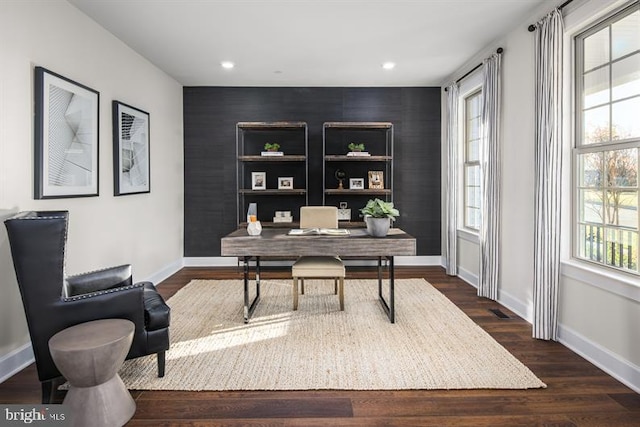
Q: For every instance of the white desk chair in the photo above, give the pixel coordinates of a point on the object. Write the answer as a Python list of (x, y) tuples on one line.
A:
[(318, 267)]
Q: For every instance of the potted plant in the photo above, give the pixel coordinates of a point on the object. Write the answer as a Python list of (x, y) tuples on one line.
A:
[(356, 147), (378, 216), (271, 146)]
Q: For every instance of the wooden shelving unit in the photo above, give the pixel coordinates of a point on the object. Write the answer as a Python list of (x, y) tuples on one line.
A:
[(250, 140), (378, 140)]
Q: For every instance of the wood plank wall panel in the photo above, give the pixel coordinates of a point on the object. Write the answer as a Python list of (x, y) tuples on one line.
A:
[(210, 116)]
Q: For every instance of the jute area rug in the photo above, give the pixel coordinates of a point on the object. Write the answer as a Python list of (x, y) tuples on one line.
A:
[(432, 345)]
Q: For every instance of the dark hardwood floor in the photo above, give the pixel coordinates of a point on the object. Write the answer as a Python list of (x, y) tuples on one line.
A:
[(577, 393)]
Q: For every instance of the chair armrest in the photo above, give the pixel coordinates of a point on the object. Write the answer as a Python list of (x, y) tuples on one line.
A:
[(125, 303), (94, 281)]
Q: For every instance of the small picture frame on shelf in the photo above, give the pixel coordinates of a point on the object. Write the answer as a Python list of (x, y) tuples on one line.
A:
[(258, 180), (356, 183), (376, 180), (285, 183)]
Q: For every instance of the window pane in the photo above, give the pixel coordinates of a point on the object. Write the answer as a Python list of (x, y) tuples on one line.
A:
[(622, 208), (621, 248), (472, 197), (596, 125), (590, 168), (472, 175), (473, 150), (590, 206), (596, 87), (473, 218), (474, 106), (626, 119), (626, 35), (591, 242), (596, 49), (622, 168), (626, 77)]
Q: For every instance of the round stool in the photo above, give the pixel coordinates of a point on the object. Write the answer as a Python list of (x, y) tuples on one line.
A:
[(89, 355)]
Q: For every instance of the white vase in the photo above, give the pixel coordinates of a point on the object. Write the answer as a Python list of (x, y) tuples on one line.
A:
[(377, 227), (254, 228)]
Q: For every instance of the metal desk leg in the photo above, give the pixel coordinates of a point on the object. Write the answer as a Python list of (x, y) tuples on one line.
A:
[(389, 308), (249, 307)]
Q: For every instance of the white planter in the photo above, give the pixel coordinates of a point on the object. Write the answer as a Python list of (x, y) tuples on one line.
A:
[(377, 227), (254, 228)]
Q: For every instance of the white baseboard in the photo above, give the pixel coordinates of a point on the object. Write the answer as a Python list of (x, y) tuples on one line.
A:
[(233, 261), (418, 260), (468, 277), (621, 369), (165, 272), (515, 305), (15, 361), (214, 261)]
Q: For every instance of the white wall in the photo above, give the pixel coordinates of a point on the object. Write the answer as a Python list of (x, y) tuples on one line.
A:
[(599, 314), (144, 230)]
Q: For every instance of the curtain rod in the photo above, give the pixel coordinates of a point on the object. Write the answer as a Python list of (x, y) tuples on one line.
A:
[(532, 27), (499, 50)]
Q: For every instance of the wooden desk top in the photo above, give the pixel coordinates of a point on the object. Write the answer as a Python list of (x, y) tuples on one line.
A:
[(276, 242)]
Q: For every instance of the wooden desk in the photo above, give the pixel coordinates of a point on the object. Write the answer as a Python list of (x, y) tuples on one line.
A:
[(276, 242)]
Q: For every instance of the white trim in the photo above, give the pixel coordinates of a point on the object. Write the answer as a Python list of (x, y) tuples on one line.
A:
[(468, 277), (523, 310), (165, 272), (233, 261), (619, 368), (15, 361), (468, 236), (418, 260), (610, 281), (210, 261)]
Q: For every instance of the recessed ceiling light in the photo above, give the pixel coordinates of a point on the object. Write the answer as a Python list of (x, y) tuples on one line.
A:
[(388, 65), (227, 65)]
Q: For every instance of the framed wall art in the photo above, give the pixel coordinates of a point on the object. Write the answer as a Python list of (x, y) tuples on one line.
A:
[(131, 163), (66, 137)]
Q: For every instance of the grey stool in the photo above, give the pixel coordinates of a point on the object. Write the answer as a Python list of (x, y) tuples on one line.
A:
[(89, 355)]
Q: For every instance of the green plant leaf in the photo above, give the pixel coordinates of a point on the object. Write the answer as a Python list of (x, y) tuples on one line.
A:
[(377, 208)]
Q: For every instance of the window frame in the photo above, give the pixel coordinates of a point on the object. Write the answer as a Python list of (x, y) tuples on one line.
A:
[(581, 148), (475, 92)]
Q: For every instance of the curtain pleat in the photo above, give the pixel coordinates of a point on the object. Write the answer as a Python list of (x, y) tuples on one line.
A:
[(548, 169), (451, 193), (490, 183)]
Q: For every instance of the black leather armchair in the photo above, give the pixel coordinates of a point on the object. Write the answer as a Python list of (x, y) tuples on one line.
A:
[(53, 302)]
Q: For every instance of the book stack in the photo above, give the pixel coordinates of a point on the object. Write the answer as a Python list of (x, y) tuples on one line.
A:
[(283, 216), (272, 153), (358, 153)]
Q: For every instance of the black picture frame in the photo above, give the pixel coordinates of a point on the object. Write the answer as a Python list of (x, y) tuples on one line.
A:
[(131, 145), (66, 137)]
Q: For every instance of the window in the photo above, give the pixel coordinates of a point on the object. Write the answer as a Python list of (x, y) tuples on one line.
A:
[(608, 141), (472, 137)]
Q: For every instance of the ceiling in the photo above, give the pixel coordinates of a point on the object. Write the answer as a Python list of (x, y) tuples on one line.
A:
[(308, 42)]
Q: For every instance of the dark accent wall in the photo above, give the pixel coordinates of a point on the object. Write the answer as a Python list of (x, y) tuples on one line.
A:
[(210, 117)]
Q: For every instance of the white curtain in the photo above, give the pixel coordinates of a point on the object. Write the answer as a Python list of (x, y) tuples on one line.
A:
[(451, 193), (548, 168), (490, 183)]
